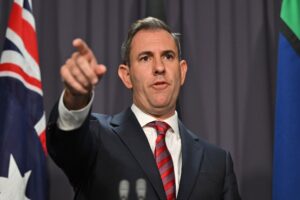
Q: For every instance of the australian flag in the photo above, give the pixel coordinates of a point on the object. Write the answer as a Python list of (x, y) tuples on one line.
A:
[(22, 118)]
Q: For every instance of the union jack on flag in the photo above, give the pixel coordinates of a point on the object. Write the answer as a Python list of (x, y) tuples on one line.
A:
[(22, 119)]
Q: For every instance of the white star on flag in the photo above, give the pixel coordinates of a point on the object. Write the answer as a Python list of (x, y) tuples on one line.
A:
[(14, 186)]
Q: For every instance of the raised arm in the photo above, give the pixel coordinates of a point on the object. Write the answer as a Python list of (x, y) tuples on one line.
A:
[(69, 140)]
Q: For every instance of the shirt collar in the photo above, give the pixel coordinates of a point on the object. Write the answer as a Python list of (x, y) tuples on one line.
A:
[(144, 119)]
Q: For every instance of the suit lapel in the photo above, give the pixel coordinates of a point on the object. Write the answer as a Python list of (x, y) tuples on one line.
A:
[(192, 153), (127, 127)]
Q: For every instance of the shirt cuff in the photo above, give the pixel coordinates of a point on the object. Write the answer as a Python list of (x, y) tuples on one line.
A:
[(72, 119)]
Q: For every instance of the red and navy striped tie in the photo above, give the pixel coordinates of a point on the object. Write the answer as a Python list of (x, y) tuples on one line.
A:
[(164, 160)]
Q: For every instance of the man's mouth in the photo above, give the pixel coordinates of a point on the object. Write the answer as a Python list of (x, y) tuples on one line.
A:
[(160, 85)]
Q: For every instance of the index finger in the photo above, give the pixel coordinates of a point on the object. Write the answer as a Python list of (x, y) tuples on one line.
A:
[(83, 48)]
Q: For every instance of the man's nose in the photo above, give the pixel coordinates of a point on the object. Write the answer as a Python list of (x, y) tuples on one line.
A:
[(158, 66)]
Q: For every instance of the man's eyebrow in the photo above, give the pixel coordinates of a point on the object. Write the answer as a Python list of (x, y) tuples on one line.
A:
[(145, 53), (151, 53), (169, 51)]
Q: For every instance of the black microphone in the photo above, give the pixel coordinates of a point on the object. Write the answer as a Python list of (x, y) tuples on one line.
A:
[(141, 188), (124, 189)]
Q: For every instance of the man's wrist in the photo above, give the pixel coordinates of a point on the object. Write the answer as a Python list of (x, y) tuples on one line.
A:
[(75, 102), (72, 119)]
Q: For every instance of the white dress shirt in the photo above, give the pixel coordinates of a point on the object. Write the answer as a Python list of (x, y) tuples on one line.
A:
[(72, 119)]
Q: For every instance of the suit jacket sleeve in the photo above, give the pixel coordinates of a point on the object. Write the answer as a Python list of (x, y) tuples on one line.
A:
[(73, 151)]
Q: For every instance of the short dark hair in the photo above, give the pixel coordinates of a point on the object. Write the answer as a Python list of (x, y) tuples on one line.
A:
[(149, 23)]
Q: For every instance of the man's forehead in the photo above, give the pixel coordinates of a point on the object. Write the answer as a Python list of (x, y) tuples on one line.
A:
[(157, 38)]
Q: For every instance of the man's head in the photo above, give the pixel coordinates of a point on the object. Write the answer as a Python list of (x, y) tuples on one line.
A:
[(149, 23), (153, 69)]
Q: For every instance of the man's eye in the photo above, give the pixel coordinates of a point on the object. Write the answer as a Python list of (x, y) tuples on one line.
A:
[(169, 56), (144, 58)]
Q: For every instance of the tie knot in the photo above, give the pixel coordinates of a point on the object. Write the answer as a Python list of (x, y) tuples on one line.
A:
[(161, 127)]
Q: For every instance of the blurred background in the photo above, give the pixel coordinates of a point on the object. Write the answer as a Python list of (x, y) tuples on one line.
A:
[(231, 50)]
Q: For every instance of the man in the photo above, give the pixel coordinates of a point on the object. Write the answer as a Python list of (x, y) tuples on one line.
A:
[(144, 151)]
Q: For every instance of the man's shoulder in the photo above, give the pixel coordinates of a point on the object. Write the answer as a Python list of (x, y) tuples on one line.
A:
[(100, 117), (214, 158), (211, 146), (113, 119), (208, 146)]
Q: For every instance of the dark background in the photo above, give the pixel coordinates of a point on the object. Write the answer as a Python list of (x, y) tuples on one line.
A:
[(228, 98)]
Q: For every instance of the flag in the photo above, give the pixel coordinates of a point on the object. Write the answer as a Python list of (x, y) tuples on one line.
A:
[(286, 164), (22, 118)]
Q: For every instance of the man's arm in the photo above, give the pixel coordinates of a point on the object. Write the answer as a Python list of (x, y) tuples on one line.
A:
[(70, 141)]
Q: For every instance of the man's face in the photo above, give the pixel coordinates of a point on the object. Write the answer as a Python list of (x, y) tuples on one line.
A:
[(155, 73)]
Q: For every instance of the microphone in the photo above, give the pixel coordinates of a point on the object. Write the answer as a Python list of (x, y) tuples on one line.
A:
[(141, 189), (123, 189)]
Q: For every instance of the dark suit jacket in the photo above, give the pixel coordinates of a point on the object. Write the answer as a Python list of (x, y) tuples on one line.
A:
[(108, 149)]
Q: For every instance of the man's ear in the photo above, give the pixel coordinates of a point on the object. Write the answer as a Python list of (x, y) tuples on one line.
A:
[(183, 70), (124, 74)]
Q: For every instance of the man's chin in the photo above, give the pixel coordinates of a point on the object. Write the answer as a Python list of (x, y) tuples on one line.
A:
[(162, 111)]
